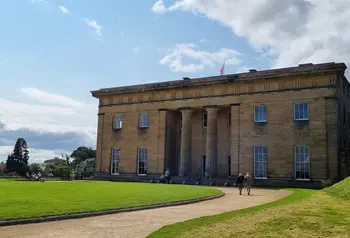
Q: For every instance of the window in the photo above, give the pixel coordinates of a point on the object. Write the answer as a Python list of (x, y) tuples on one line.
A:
[(203, 161), (229, 165), (302, 162), (205, 120), (260, 113), (143, 120), (229, 119), (260, 162), (115, 162), (117, 122), (301, 111), (142, 161)]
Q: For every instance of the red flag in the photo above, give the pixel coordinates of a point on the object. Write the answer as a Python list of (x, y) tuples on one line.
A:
[(222, 69)]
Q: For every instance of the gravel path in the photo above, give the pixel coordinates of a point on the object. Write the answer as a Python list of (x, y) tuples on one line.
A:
[(141, 223)]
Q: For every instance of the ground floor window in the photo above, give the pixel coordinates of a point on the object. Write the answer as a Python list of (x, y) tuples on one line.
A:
[(260, 162), (115, 161), (302, 162), (203, 160), (142, 161)]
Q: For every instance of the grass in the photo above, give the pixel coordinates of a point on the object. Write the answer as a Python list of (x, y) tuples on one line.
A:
[(35, 199), (304, 213)]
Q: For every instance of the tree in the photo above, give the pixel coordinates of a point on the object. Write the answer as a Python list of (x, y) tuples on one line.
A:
[(18, 160), (81, 154), (35, 167), (86, 168), (55, 160)]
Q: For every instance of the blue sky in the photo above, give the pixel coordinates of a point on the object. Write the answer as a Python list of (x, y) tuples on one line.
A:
[(54, 52)]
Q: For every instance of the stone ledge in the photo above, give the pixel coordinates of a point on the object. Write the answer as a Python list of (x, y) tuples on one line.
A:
[(106, 212)]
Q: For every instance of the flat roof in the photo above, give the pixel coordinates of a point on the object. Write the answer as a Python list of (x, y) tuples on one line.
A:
[(301, 70)]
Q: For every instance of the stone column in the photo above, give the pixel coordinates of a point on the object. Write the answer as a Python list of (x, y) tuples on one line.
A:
[(186, 137), (211, 144), (235, 139), (99, 142)]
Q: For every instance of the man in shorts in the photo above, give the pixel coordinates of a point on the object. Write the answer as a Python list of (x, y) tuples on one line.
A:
[(239, 182), (248, 181)]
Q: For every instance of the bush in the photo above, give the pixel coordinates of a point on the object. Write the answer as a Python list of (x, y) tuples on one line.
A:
[(326, 183)]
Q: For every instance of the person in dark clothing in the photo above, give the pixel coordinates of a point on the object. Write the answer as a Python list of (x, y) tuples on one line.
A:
[(167, 176), (240, 182)]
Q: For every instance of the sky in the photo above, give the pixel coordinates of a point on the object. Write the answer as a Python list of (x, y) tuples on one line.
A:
[(54, 52)]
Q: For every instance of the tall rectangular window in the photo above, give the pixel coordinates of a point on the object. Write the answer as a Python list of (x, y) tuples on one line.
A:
[(205, 120), (301, 111), (260, 113), (117, 122), (142, 161), (115, 161), (260, 162), (143, 120), (302, 162), (229, 119), (203, 163)]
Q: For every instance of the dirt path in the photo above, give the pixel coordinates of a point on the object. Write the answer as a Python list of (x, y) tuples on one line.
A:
[(141, 223)]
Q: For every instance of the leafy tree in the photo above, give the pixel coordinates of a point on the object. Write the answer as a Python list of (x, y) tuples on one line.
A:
[(35, 167), (81, 154), (55, 160), (86, 168), (18, 160)]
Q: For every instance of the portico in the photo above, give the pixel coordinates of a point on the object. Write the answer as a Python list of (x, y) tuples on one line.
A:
[(198, 134)]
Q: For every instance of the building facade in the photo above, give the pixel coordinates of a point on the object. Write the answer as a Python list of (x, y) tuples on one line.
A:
[(284, 124)]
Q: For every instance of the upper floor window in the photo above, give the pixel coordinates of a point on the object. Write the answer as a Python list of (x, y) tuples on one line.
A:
[(260, 113), (143, 120), (117, 122), (205, 120), (301, 111)]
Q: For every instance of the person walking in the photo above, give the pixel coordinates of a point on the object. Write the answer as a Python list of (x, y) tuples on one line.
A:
[(248, 181), (167, 176), (239, 182)]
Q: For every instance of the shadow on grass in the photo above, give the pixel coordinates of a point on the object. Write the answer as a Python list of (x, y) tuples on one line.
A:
[(176, 230)]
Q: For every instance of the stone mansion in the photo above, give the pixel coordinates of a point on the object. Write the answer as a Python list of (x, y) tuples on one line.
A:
[(288, 124)]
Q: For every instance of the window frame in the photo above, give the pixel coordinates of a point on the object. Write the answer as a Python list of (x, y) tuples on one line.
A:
[(115, 120), (144, 157), (205, 120), (294, 111), (118, 160), (255, 113), (295, 163), (265, 155), (141, 120)]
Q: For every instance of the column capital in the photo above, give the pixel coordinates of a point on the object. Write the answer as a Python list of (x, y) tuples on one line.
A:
[(184, 108), (235, 104)]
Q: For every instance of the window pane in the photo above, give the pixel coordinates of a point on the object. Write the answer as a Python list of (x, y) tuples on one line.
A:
[(302, 164), (260, 162)]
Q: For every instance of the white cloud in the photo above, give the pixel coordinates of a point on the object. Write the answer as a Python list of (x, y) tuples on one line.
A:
[(35, 156), (94, 25), (63, 9), (49, 98), (203, 40), (63, 126), (188, 52), (136, 49), (39, 1), (291, 32)]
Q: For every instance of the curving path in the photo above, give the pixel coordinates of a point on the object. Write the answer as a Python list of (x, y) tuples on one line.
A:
[(141, 223)]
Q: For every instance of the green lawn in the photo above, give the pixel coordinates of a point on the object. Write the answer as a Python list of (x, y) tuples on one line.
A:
[(305, 213), (36, 199)]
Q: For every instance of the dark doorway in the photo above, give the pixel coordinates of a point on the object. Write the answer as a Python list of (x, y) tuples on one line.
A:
[(203, 164), (229, 165)]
